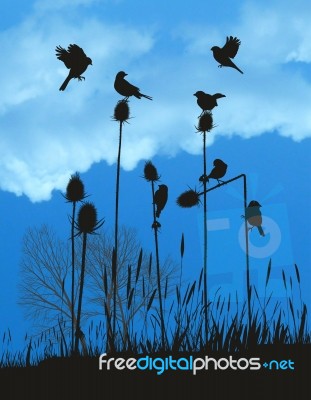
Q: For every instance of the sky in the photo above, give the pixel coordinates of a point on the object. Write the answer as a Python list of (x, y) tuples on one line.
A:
[(262, 128)]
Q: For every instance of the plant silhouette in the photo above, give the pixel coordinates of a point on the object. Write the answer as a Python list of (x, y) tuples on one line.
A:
[(253, 216), (74, 193), (207, 101), (125, 88), (224, 54), (76, 60), (87, 224)]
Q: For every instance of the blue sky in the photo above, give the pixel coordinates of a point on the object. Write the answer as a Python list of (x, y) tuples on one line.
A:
[(263, 124)]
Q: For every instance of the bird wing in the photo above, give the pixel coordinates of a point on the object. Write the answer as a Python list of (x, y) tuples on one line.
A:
[(232, 46), (70, 57), (129, 87)]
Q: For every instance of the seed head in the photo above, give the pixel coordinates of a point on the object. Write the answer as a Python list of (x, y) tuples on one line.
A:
[(87, 219), (188, 199), (75, 189), (150, 172), (121, 111), (205, 122)]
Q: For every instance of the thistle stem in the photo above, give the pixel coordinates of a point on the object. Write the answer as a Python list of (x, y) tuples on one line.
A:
[(78, 330), (163, 333)]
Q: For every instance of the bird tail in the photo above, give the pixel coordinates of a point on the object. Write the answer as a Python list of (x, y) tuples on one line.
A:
[(144, 95), (238, 69), (65, 83), (158, 212), (260, 230)]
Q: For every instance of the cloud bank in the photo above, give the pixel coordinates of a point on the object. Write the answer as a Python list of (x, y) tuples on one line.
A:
[(45, 135)]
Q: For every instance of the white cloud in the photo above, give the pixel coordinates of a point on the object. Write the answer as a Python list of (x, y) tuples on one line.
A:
[(45, 135)]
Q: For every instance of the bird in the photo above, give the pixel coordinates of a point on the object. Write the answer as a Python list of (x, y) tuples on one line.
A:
[(219, 170), (125, 88), (229, 50), (207, 101), (160, 199), (253, 216), (75, 60)]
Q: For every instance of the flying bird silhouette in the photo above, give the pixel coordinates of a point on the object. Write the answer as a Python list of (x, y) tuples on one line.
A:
[(229, 50), (207, 101), (253, 216), (160, 199), (125, 88), (219, 171), (75, 59)]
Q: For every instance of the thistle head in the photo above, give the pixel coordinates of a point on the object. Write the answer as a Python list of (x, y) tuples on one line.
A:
[(75, 189), (150, 172), (188, 199), (205, 122), (121, 111), (87, 221)]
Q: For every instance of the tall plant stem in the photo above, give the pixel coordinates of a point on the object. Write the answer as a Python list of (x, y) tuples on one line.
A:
[(72, 273), (78, 330), (163, 334), (205, 240), (116, 231)]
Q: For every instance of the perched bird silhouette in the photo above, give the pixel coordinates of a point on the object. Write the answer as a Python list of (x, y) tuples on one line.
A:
[(253, 216), (75, 59), (229, 50), (160, 199), (207, 101), (125, 88), (219, 170)]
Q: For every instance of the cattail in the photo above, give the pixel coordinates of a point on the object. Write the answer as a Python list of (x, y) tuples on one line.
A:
[(121, 111), (205, 122), (150, 172), (188, 199), (75, 189)]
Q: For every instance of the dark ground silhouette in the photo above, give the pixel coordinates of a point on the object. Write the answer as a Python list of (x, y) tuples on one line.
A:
[(73, 378)]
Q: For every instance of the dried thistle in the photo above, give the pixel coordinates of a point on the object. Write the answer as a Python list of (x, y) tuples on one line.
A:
[(205, 122), (121, 111), (150, 172), (188, 199), (87, 219), (75, 189)]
